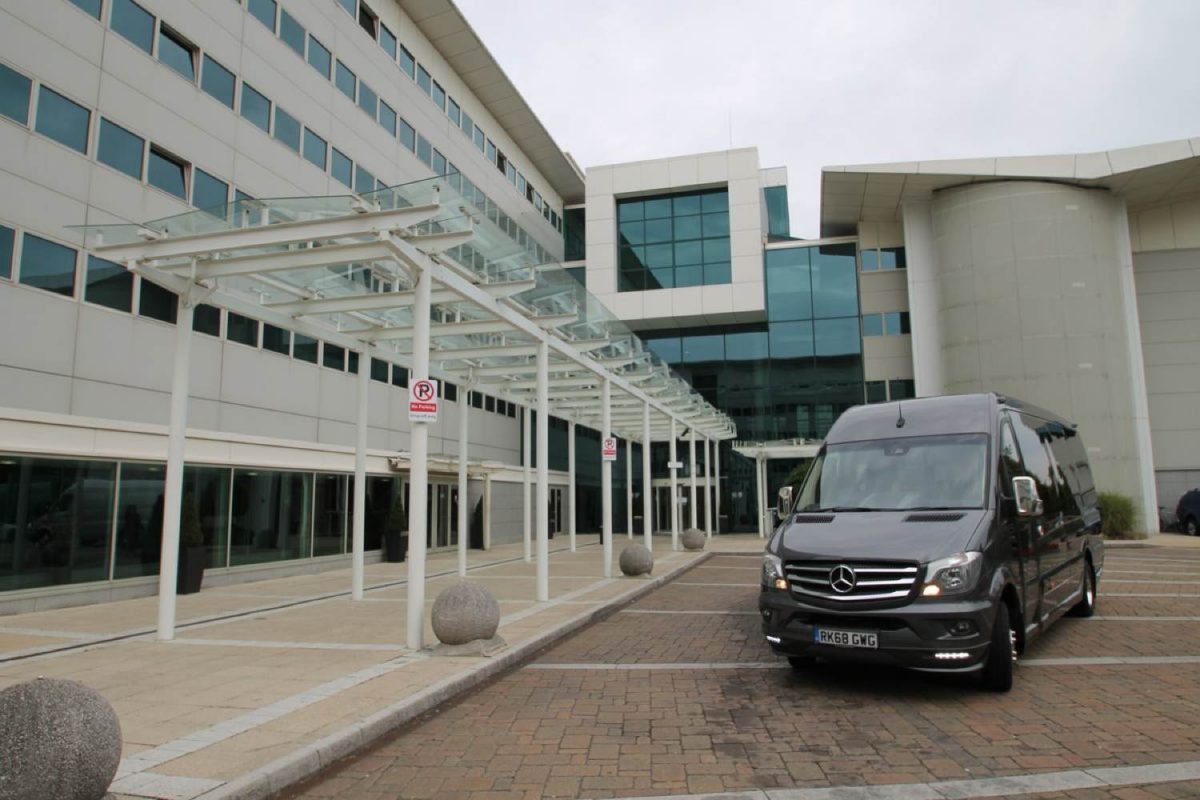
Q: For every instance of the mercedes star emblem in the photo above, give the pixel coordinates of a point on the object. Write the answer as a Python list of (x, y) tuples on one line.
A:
[(842, 579)]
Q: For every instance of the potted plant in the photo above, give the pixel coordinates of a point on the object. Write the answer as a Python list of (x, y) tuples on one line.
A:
[(395, 536), (192, 553)]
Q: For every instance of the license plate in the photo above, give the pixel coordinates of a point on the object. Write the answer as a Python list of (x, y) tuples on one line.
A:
[(846, 638)]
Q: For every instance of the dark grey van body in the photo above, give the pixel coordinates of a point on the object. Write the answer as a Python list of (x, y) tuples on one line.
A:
[(906, 545)]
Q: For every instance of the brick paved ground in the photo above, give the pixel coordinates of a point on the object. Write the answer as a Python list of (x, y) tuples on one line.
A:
[(550, 731)]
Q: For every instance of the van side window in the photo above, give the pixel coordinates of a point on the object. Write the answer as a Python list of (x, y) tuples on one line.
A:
[(1010, 460), (1070, 465), (1034, 438)]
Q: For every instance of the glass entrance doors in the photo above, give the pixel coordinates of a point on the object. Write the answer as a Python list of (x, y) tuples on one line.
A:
[(441, 522)]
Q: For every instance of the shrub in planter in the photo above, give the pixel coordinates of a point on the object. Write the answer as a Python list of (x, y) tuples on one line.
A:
[(192, 553), (1117, 515), (395, 536)]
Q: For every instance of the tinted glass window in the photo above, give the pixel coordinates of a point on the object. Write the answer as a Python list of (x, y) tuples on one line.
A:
[(834, 281), (120, 149), (62, 120), (837, 337), (791, 339), (407, 63), (315, 149), (748, 346), (895, 323), (272, 518), (379, 370), (292, 32), (901, 389), (47, 265), (176, 53), (331, 505), (387, 40), (333, 357), (277, 340), (7, 237), (242, 330), (872, 325), (869, 260), (207, 319), (876, 391), (703, 348), (368, 101), (438, 162), (209, 192), (287, 129), (363, 181), (892, 258), (90, 6), (424, 80), (218, 81), (263, 11), (453, 111), (256, 107), (468, 124), (319, 56), (14, 95), (439, 95), (1035, 456), (342, 168), (157, 303), (399, 375), (345, 80), (408, 136), (134, 23), (350, 6), (167, 173), (304, 348), (108, 284), (387, 118), (424, 149), (479, 139)]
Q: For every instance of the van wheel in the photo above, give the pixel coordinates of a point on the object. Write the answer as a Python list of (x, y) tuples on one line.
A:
[(1086, 606), (1190, 527), (800, 663), (1002, 654)]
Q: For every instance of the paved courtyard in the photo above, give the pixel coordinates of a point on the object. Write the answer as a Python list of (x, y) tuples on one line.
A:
[(678, 694)]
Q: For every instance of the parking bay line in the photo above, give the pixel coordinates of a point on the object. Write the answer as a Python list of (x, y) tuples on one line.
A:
[(1083, 661)]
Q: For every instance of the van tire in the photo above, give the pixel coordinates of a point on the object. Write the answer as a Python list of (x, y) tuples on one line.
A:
[(801, 663), (1086, 606), (1190, 527), (1001, 658)]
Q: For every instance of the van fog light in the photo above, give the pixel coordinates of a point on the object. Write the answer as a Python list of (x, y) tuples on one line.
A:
[(773, 639), (780, 583), (952, 655), (931, 590), (961, 627)]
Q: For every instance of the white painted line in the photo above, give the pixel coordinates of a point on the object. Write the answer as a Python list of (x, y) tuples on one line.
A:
[(705, 613), (661, 666), (1111, 571), (1108, 661), (1141, 619), (1146, 594), (376, 648), (1149, 580)]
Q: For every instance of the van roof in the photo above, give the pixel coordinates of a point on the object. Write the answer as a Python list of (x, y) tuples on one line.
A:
[(963, 413)]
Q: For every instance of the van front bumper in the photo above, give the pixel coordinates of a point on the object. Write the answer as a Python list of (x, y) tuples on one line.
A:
[(941, 635)]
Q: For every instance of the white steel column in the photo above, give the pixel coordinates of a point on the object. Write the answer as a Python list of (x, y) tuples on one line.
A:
[(759, 494), (674, 507), (487, 511), (716, 486), (526, 473), (571, 484), (606, 523), (708, 486), (543, 472), (647, 489), (628, 486), (418, 476), (168, 565), (358, 532), (692, 515), (464, 407)]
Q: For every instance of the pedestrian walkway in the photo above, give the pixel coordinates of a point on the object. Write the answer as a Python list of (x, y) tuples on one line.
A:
[(268, 681)]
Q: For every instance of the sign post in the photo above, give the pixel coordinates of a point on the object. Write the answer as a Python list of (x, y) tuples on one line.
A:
[(608, 449), (423, 401)]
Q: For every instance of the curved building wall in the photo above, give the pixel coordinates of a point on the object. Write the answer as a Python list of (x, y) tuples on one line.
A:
[(1032, 302)]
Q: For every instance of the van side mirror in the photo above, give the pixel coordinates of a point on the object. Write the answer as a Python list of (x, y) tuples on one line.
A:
[(785, 503), (1025, 492)]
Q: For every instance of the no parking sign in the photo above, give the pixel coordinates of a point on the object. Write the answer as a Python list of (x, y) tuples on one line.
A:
[(608, 449), (422, 401)]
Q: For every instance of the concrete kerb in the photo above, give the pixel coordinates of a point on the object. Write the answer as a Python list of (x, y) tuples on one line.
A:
[(306, 761)]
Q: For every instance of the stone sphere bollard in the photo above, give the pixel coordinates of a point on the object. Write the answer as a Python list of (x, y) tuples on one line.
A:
[(636, 560), (58, 739), (693, 539), (465, 612)]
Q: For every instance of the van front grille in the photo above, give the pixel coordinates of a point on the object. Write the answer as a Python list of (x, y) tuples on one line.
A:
[(852, 581)]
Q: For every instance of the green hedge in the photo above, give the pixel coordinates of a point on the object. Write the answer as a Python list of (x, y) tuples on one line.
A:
[(1117, 515)]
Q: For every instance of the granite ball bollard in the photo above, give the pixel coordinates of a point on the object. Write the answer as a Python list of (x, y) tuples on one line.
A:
[(693, 539), (465, 612), (58, 739), (636, 559)]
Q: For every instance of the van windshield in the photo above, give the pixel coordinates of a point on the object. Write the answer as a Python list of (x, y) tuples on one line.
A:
[(908, 474)]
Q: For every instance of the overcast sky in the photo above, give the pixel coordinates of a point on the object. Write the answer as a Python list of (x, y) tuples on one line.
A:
[(835, 82)]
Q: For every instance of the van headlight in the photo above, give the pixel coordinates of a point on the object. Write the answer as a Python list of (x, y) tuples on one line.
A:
[(773, 577), (957, 574)]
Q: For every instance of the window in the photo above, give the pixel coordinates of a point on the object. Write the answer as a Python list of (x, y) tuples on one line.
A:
[(177, 53), (709, 347), (14, 95), (676, 241), (315, 149), (439, 95), (7, 237), (264, 11), (90, 6), (399, 376), (319, 57), (134, 23), (892, 258), (256, 107), (368, 101), (408, 136), (407, 62), (304, 348), (108, 284), (62, 120), (47, 265), (479, 139), (287, 129), (790, 339), (438, 163), (895, 323), (218, 81), (242, 330), (272, 520), (334, 357), (424, 80), (345, 80), (468, 124), (349, 6), (387, 40), (209, 192), (453, 111), (277, 340), (206, 319), (379, 370), (368, 21), (157, 303), (492, 152), (363, 181), (120, 149), (342, 168), (167, 173), (902, 389), (869, 260), (292, 32), (424, 149), (387, 118), (872, 325)]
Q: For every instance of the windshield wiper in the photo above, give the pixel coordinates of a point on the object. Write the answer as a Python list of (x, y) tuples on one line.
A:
[(836, 509)]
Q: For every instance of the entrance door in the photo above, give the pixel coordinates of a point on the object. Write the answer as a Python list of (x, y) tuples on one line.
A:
[(556, 511), (441, 526)]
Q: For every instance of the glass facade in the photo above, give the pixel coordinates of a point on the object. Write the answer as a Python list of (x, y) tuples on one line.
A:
[(779, 226), (673, 241)]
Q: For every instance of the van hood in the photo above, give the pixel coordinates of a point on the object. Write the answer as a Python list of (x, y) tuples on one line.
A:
[(878, 535)]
